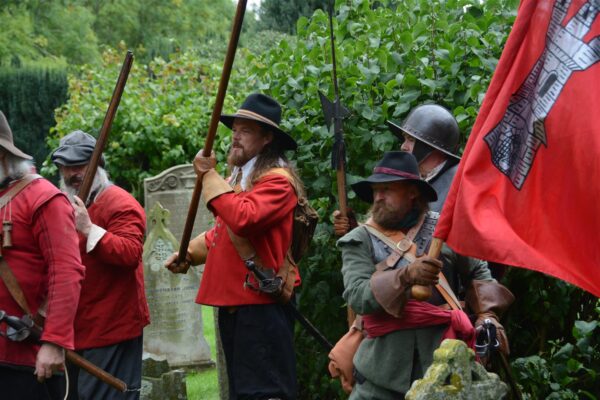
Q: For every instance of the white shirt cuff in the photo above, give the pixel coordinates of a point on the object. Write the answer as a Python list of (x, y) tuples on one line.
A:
[(96, 233)]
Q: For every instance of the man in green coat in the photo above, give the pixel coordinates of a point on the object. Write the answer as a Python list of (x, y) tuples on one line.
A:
[(383, 259)]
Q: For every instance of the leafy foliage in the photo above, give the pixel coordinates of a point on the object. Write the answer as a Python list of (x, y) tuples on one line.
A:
[(569, 369), (281, 15), (75, 30), (162, 119)]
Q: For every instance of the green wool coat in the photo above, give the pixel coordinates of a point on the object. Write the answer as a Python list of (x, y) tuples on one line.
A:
[(392, 362)]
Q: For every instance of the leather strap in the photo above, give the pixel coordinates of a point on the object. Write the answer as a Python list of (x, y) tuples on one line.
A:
[(447, 293), (10, 281), (443, 286), (17, 187)]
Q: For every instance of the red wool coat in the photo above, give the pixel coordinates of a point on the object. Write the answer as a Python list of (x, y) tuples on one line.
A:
[(45, 261), (113, 305), (264, 215)]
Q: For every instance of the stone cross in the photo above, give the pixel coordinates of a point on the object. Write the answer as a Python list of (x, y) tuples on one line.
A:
[(454, 374)]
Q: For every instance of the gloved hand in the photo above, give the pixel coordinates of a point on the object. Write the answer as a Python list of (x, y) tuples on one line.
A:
[(343, 225), (423, 271), (204, 164)]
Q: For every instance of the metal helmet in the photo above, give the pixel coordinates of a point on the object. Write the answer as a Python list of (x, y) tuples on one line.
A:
[(433, 127)]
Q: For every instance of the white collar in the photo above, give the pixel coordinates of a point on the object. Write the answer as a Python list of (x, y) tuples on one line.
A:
[(434, 172), (247, 171)]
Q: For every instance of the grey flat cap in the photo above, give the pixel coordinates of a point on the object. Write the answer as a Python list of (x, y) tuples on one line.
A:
[(76, 148)]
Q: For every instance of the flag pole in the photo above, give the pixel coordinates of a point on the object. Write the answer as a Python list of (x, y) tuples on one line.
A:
[(419, 292)]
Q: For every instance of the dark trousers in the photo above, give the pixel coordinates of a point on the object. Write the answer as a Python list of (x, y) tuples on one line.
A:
[(259, 351), (21, 384), (123, 360)]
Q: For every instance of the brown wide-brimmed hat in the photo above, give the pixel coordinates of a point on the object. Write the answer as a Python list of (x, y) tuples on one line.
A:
[(266, 111), (6, 139), (395, 166)]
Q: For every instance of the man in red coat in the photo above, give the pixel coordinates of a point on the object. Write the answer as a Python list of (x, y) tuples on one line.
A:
[(45, 261), (256, 331), (113, 310)]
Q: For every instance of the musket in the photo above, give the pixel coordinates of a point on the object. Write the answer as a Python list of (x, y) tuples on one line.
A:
[(212, 128), (335, 112), (90, 173), (25, 328)]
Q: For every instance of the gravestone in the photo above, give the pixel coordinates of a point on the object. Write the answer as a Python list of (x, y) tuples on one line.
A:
[(455, 375), (176, 331)]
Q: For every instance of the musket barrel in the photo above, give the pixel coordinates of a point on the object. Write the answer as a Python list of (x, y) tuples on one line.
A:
[(90, 173)]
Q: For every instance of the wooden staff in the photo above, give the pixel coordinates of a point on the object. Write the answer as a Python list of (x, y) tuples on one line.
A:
[(90, 173), (419, 292), (212, 129)]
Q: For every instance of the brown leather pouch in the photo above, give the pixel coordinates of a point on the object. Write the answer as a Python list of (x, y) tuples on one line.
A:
[(341, 356)]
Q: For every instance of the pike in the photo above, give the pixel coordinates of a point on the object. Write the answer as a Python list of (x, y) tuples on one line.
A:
[(212, 129), (90, 173), (335, 113)]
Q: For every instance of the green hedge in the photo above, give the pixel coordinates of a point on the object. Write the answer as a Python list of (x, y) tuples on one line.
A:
[(28, 98)]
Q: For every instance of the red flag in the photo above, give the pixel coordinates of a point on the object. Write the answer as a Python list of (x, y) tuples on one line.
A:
[(527, 191)]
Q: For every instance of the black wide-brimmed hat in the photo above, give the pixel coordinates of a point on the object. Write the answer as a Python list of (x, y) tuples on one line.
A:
[(6, 139), (265, 110), (74, 149), (394, 166)]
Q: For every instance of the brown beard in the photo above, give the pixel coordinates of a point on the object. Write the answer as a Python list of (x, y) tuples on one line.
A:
[(388, 218), (235, 158)]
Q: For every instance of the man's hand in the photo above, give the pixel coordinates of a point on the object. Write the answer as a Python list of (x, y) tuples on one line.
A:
[(424, 271), (343, 225), (82, 218), (204, 164), (178, 268), (49, 359)]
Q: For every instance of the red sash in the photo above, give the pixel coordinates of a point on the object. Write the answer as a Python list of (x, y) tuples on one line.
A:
[(419, 314)]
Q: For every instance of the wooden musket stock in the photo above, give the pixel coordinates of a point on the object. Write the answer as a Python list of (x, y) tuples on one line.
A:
[(90, 173), (212, 129)]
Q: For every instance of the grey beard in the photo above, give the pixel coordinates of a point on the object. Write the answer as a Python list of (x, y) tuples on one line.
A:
[(100, 182), (17, 168)]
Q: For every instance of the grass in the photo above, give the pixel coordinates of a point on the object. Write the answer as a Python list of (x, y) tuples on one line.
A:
[(204, 385)]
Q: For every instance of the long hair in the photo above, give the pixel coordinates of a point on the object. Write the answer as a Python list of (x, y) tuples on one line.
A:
[(17, 167), (273, 156)]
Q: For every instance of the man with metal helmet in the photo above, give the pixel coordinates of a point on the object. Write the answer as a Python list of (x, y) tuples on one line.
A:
[(431, 134)]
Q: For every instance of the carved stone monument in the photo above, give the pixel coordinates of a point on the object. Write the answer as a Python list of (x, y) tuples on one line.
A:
[(176, 330), (454, 374)]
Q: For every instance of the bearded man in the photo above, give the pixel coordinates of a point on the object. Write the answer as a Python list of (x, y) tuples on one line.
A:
[(40, 253), (256, 206), (113, 310), (383, 259)]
